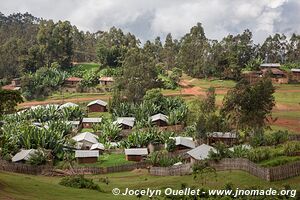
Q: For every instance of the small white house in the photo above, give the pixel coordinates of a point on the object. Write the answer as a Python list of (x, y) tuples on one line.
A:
[(98, 146), (68, 105), (86, 156), (184, 142), (159, 119), (125, 122), (89, 122), (200, 153), (85, 140), (23, 155), (136, 154)]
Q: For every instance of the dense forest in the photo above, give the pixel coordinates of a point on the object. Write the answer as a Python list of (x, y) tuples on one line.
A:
[(29, 44)]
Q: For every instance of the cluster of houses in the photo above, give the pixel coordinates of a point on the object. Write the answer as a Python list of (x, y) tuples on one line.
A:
[(74, 81), (273, 70), (70, 83)]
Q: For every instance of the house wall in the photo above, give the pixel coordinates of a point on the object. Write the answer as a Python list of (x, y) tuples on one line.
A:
[(71, 83), (87, 124), (135, 158), (97, 108), (296, 76), (87, 160), (181, 147), (160, 123), (226, 141), (106, 82)]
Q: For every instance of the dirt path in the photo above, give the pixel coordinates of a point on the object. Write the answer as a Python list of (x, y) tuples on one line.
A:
[(291, 124), (60, 101)]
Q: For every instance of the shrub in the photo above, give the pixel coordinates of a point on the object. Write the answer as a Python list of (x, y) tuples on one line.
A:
[(291, 147), (259, 154), (79, 182), (38, 158), (170, 145), (163, 159)]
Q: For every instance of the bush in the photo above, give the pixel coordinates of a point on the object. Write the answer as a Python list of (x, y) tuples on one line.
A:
[(281, 160), (163, 159), (170, 145), (291, 147), (259, 154), (38, 158), (79, 182)]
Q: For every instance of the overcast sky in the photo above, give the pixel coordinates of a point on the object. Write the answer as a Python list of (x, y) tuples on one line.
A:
[(150, 18)]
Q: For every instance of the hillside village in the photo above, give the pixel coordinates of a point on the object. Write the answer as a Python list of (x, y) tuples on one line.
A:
[(149, 115)]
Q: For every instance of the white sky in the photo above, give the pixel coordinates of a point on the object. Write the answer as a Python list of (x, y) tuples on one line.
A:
[(150, 18)]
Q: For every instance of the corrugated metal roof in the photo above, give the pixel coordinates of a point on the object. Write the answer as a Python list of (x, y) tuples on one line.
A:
[(295, 70), (67, 105), (86, 154), (109, 79), (159, 116), (270, 65), (75, 79), (201, 152), (23, 155), (184, 141), (91, 120), (86, 136), (129, 121), (98, 146), (222, 135), (136, 152), (100, 102)]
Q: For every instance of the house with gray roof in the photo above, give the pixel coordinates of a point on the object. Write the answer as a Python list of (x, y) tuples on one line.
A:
[(159, 119), (136, 154), (200, 153), (89, 122), (97, 106), (23, 155), (125, 122), (86, 156), (85, 140)]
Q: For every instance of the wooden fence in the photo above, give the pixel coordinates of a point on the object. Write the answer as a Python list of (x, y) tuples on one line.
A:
[(178, 170), (295, 137), (112, 169), (269, 174), (23, 168)]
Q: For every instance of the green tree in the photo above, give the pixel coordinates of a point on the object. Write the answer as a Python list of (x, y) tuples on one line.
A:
[(9, 100), (139, 75), (249, 107)]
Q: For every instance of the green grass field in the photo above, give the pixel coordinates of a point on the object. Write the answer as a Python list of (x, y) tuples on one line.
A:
[(26, 187)]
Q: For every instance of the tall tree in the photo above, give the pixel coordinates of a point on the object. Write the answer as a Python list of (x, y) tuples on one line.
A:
[(138, 76), (249, 107), (169, 52), (193, 53)]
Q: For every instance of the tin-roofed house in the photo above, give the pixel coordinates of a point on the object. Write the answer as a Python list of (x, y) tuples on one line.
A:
[(72, 81), (295, 74), (68, 105), (85, 140), (183, 143), (274, 72), (89, 122), (200, 153), (86, 156), (99, 147), (106, 81), (228, 138), (97, 106), (23, 155), (125, 122), (159, 119), (136, 154)]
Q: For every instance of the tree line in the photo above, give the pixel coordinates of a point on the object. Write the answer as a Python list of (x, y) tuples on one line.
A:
[(28, 43)]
